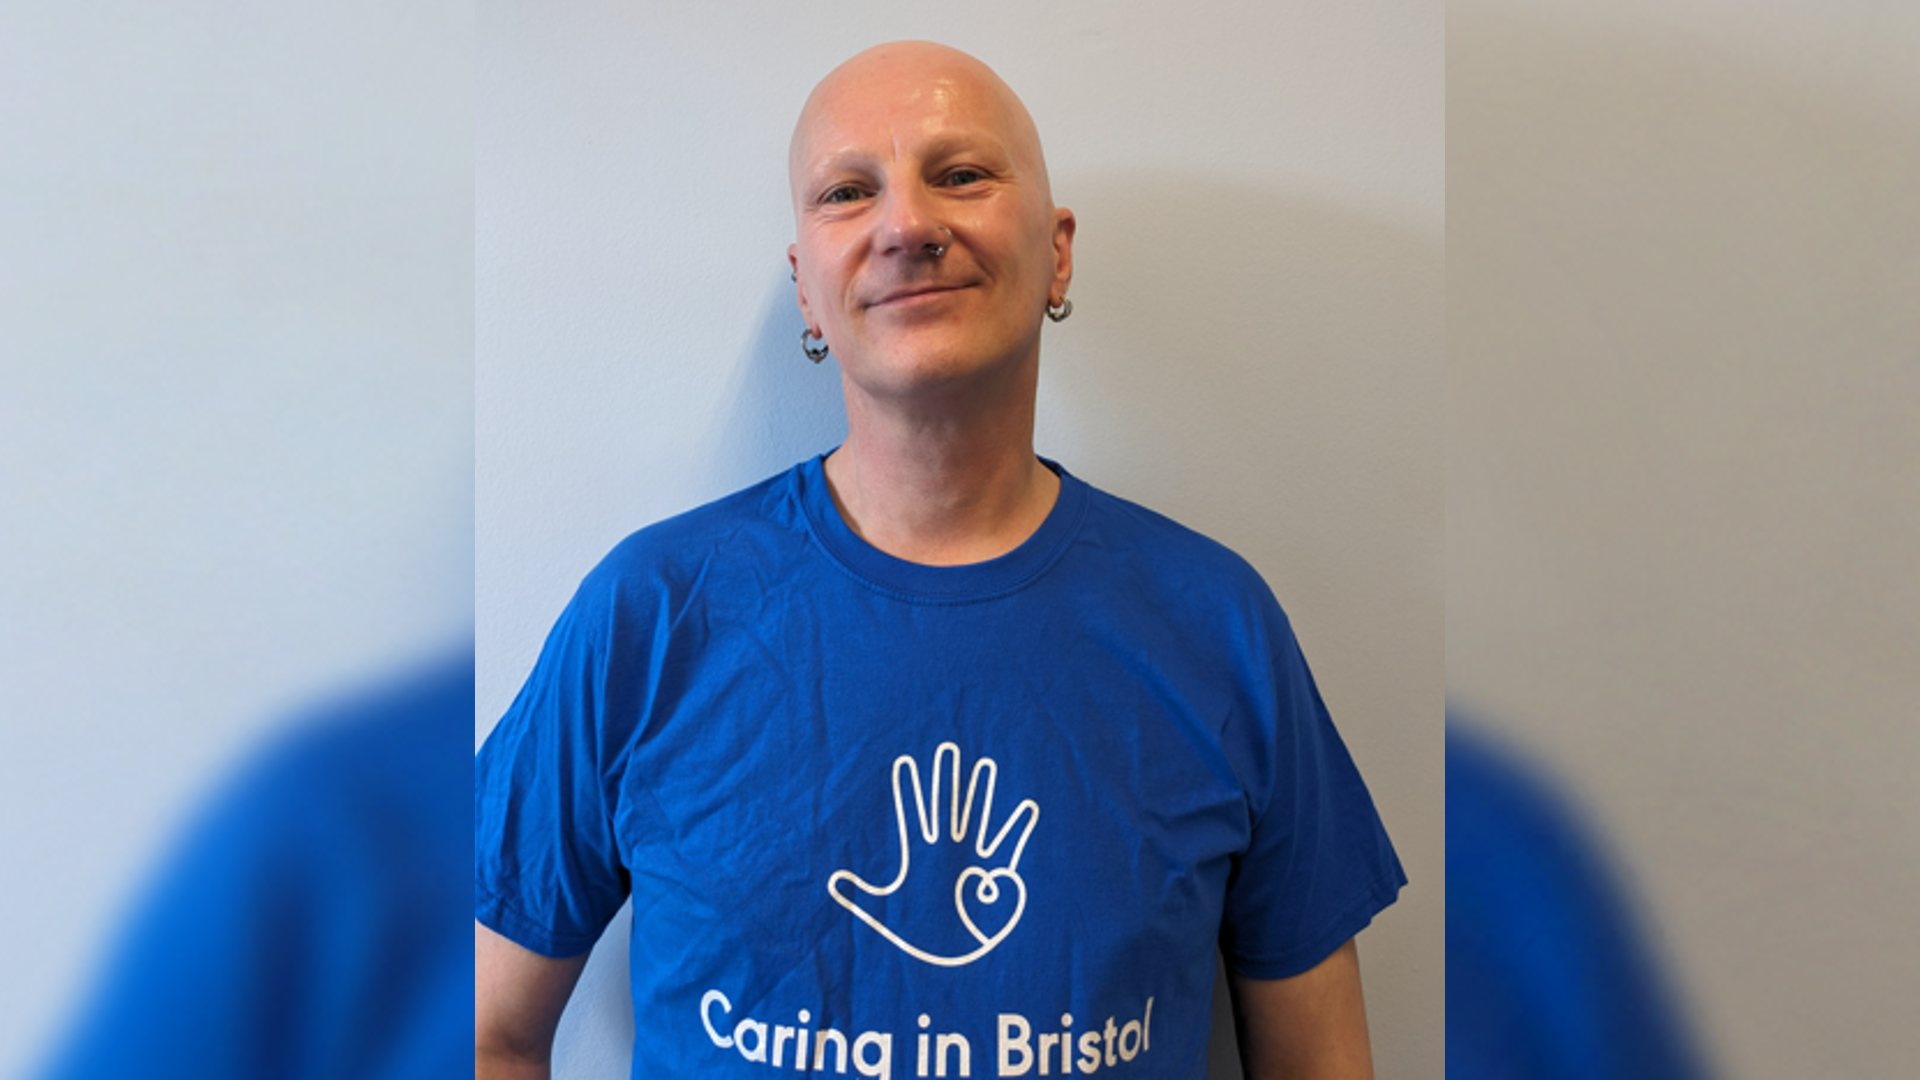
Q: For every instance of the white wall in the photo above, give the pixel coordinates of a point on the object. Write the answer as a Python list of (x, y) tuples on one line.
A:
[(1683, 484), (1255, 348)]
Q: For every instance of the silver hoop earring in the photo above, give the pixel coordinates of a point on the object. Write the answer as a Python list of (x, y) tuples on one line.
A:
[(1059, 314), (813, 354), (937, 250)]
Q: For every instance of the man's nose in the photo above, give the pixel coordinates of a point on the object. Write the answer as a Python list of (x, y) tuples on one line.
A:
[(909, 221)]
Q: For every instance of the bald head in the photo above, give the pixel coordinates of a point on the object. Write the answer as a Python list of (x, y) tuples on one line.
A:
[(926, 244), (913, 78)]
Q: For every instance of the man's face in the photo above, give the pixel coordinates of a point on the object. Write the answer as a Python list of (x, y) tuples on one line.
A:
[(903, 150)]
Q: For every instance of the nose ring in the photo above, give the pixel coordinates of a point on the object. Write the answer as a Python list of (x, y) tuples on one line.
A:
[(937, 250)]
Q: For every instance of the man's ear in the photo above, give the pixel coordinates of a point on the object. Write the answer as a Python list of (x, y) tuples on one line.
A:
[(799, 290), (1063, 226)]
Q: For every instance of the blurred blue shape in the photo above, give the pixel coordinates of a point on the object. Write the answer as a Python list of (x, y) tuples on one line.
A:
[(314, 922), (1547, 978)]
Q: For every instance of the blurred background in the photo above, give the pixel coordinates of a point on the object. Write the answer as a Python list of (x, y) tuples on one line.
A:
[(235, 466), (1683, 503)]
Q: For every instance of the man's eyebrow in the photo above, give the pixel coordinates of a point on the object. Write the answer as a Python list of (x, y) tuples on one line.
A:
[(991, 147), (842, 158), (950, 145)]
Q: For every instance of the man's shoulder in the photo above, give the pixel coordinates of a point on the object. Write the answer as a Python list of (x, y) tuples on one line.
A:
[(1164, 547), (755, 518)]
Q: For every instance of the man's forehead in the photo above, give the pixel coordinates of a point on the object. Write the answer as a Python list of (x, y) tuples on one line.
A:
[(908, 70), (943, 90), (934, 130)]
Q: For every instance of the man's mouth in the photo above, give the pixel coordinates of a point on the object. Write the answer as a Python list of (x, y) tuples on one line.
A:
[(914, 293)]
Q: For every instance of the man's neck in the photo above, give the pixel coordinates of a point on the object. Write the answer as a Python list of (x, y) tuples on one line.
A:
[(941, 487)]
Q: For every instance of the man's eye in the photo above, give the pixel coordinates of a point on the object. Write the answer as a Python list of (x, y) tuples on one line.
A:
[(845, 193), (959, 177)]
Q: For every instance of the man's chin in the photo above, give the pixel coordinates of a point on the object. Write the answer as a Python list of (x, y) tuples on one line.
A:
[(925, 370)]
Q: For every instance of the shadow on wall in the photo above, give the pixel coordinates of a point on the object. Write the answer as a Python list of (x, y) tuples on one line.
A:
[(785, 407), (1260, 365)]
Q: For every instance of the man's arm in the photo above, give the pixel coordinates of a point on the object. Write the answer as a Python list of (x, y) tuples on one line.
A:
[(1312, 1026), (518, 996)]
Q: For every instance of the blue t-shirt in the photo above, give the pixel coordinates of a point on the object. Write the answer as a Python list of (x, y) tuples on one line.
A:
[(888, 820)]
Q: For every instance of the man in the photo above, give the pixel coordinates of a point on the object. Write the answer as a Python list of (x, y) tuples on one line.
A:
[(925, 758)]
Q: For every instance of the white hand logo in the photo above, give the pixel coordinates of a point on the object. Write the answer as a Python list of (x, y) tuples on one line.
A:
[(986, 880)]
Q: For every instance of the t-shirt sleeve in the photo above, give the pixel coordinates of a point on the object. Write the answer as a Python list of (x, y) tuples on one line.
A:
[(1319, 866), (547, 868)]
